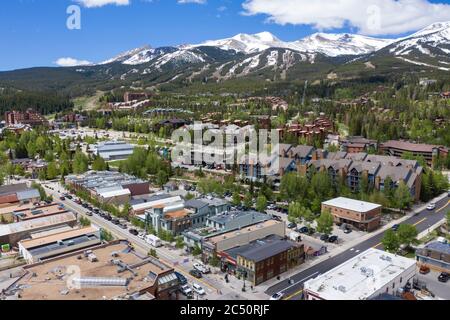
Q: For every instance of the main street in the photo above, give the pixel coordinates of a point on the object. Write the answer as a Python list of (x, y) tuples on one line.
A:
[(293, 287)]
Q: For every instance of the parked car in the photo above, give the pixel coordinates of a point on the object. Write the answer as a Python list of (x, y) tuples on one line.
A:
[(115, 221), (202, 268), (431, 206), (186, 290), (303, 230), (141, 235), (183, 280), (196, 274), (347, 230), (395, 227), (123, 226), (324, 237), (277, 218), (443, 277), (424, 270), (311, 231), (292, 225), (332, 239), (108, 217), (134, 232), (89, 214), (277, 296), (62, 198), (198, 289)]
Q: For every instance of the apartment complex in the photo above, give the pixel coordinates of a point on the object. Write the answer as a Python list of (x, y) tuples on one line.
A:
[(366, 276), (361, 215), (429, 152), (28, 117)]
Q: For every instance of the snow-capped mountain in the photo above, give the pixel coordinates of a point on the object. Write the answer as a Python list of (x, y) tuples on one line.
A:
[(436, 35), (334, 45), (429, 47), (245, 43)]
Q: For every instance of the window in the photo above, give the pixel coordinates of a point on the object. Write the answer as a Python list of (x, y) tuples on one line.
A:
[(393, 285)]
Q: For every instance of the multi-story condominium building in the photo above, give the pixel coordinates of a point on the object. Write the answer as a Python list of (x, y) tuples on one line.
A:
[(357, 144), (373, 168), (429, 152), (28, 117)]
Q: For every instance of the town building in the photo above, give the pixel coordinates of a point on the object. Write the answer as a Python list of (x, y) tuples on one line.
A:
[(33, 167), (219, 241), (112, 271), (435, 255), (49, 246), (133, 96), (113, 150), (108, 186), (431, 153), (357, 144), (28, 117), (14, 232), (366, 276), (262, 259), (38, 211), (361, 215), (18, 194)]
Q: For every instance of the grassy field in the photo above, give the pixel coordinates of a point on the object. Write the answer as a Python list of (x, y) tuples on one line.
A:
[(87, 103)]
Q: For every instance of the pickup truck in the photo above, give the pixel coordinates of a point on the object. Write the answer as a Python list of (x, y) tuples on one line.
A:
[(202, 268)]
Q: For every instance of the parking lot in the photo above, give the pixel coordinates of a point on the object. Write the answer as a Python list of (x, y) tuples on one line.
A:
[(441, 290)]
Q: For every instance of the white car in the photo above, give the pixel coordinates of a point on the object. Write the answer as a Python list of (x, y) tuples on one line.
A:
[(431, 206), (186, 290), (141, 235), (198, 289), (202, 268), (277, 296)]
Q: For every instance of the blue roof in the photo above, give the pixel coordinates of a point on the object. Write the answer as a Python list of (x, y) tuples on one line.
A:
[(28, 194), (439, 246)]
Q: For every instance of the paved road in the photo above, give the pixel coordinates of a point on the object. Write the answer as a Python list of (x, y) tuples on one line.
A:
[(423, 220)]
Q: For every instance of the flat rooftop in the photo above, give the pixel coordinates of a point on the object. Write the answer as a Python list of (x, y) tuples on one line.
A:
[(245, 230), (351, 204), (32, 243), (37, 223), (49, 280), (42, 211), (359, 277)]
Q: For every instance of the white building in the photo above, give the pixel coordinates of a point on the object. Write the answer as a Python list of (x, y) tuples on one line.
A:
[(368, 275)]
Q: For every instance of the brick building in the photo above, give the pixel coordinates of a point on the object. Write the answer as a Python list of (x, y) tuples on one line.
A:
[(28, 117), (361, 215)]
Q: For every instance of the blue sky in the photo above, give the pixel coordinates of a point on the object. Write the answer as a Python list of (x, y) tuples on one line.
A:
[(34, 32)]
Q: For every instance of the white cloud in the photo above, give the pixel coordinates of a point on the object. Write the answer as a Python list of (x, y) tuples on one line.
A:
[(375, 17), (101, 3), (71, 62), (192, 1)]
